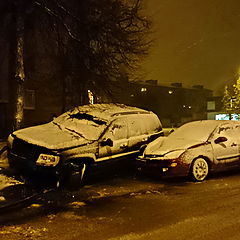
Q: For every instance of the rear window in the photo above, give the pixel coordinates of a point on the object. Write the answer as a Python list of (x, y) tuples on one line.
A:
[(152, 123), (140, 124), (135, 126)]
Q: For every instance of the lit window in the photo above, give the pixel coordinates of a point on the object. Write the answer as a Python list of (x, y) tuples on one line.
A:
[(211, 105), (29, 99), (143, 89)]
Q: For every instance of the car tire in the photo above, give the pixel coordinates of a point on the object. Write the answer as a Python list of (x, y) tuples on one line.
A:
[(75, 178), (199, 170)]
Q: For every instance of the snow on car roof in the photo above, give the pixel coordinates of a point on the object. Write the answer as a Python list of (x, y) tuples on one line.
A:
[(91, 120), (200, 130), (106, 111)]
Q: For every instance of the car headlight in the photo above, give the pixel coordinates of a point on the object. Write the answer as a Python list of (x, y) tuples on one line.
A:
[(47, 160)]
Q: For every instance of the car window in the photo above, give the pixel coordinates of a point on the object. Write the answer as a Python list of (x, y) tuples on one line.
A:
[(151, 123), (225, 130), (117, 130), (199, 130), (84, 125), (140, 124), (237, 129), (135, 125)]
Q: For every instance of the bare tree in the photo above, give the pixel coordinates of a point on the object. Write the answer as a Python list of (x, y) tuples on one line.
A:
[(96, 38)]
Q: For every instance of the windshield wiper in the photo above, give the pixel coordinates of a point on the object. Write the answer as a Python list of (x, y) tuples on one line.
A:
[(58, 125), (79, 134)]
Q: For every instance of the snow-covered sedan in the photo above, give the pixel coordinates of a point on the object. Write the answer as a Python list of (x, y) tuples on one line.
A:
[(194, 149), (79, 140)]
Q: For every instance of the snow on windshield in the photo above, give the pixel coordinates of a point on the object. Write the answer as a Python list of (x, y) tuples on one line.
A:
[(82, 124), (198, 130)]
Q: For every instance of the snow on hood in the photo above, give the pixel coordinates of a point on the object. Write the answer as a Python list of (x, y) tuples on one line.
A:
[(165, 145), (189, 134), (50, 136)]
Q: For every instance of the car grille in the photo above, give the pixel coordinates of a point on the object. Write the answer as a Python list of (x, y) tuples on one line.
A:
[(27, 150), (151, 156)]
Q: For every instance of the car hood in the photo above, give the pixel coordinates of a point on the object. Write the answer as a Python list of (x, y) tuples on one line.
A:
[(51, 136), (165, 145)]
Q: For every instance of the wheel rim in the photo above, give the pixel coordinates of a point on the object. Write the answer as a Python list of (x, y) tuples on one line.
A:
[(200, 169)]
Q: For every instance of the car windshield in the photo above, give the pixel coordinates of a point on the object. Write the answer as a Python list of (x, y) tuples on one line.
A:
[(199, 130), (82, 124)]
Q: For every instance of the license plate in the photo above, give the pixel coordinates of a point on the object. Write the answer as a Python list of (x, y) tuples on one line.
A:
[(47, 160)]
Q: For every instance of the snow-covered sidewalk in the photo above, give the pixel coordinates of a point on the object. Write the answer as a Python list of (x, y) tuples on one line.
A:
[(3, 155), (5, 181)]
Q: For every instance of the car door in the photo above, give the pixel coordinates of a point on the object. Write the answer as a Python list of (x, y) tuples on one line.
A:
[(225, 145), (237, 134), (114, 142)]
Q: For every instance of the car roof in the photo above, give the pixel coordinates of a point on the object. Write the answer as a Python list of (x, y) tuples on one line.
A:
[(108, 111), (200, 130), (212, 123), (207, 126)]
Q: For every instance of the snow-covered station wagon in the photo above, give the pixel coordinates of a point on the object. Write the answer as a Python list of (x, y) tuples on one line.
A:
[(194, 149), (65, 149)]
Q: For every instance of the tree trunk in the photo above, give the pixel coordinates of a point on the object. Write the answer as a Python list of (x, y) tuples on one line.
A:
[(19, 71)]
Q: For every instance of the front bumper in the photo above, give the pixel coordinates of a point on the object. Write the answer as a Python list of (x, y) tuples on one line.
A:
[(163, 168), (32, 172)]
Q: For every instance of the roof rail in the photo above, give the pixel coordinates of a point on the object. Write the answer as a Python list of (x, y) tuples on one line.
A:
[(131, 112)]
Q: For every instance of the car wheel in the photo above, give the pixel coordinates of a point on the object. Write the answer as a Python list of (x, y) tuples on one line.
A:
[(76, 177), (199, 169)]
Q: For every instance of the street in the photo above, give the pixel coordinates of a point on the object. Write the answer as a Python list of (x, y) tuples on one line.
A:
[(128, 207)]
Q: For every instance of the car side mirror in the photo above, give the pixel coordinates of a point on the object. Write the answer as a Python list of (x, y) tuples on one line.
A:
[(142, 149), (107, 142), (171, 131), (220, 140)]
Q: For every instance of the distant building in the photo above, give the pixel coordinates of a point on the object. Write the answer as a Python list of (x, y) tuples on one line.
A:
[(214, 107), (174, 104), (215, 110)]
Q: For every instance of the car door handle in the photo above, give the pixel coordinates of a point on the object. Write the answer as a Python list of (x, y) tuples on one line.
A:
[(123, 145)]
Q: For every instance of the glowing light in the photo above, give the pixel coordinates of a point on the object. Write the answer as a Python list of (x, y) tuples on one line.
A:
[(143, 89), (20, 100), (170, 92), (173, 164), (90, 97)]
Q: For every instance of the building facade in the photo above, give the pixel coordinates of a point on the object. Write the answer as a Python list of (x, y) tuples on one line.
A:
[(174, 104)]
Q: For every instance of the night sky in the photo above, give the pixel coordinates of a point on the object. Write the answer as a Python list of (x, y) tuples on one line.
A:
[(196, 42)]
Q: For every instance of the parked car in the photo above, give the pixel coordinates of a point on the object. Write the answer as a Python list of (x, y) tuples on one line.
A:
[(79, 140), (194, 149)]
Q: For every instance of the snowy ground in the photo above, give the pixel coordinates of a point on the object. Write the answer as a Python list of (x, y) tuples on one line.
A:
[(5, 180), (3, 156)]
